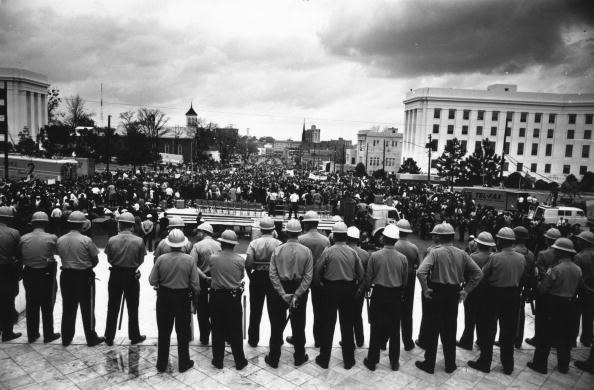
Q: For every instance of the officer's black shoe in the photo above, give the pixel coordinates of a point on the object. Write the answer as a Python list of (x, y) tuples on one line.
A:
[(585, 366), (464, 346), (138, 340), (383, 347), (419, 344), (370, 366), (320, 363), (422, 365), (66, 343), (586, 343), (161, 368), (531, 341), (52, 337), (217, 365), (33, 338), (300, 361), (496, 343), (534, 367), (204, 342), (518, 345), (252, 344), (289, 339), (360, 343), (349, 365), (395, 366), (269, 361), (409, 346), (11, 336), (109, 342), (508, 370), (186, 366), (451, 369), (97, 341), (478, 366), (563, 370), (241, 365)]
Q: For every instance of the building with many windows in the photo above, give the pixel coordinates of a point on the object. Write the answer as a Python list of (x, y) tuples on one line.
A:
[(380, 149), (548, 135), (311, 135)]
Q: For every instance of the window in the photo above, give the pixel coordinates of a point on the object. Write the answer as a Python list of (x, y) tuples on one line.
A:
[(479, 130), (568, 150), (534, 149), (520, 149), (566, 169), (477, 146), (450, 129), (466, 115), (570, 134), (492, 145), (437, 113), (493, 131), (506, 166), (179, 149), (2, 118), (551, 118), (549, 150), (435, 129), (506, 148), (495, 116), (583, 169), (533, 167), (463, 145), (166, 148), (550, 133), (480, 115), (571, 119), (522, 132), (519, 167), (537, 117), (451, 114), (587, 134), (1, 102), (508, 131), (588, 118), (547, 168), (586, 151), (464, 130), (523, 117), (535, 133)]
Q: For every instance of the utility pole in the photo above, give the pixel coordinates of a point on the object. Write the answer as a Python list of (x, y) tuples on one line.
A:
[(108, 149), (507, 118), (4, 125), (384, 157), (430, 144)]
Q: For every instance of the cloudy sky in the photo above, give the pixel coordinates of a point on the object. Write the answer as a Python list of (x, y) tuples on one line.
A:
[(268, 64)]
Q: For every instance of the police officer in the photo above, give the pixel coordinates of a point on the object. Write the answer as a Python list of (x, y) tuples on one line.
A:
[(257, 265), (78, 255), (353, 236), (448, 267), (558, 289), (316, 242), (338, 271), (474, 300), (387, 272), (502, 275), (148, 231), (201, 252), (226, 288), (37, 250), (125, 253), (162, 248), (291, 274), (544, 260), (10, 269), (528, 282), (585, 260), (411, 252), (176, 277)]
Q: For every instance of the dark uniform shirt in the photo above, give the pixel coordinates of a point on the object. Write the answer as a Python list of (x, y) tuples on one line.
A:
[(202, 250), (339, 262), (316, 242), (37, 248), (175, 270), (585, 260), (226, 270), (125, 250), (77, 251), (411, 252), (544, 261), (259, 251), (562, 280), (480, 258), (504, 269), (291, 261), (387, 267), (9, 244), (363, 255)]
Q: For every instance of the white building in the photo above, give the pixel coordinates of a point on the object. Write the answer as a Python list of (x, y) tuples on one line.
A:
[(550, 134), (380, 149), (23, 102)]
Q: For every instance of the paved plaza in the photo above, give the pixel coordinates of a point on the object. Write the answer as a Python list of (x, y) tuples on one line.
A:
[(51, 366)]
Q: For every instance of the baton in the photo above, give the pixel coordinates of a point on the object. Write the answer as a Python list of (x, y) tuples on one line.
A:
[(244, 305), (367, 298), (122, 310)]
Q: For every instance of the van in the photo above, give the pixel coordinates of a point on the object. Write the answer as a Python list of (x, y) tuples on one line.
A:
[(551, 215)]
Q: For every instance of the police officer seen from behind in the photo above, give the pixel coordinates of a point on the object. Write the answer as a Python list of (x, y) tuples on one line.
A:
[(10, 269), (585, 260), (528, 281), (353, 235), (387, 273), (257, 266), (162, 247), (176, 277), (201, 252), (78, 255), (226, 288), (558, 289), (339, 272), (37, 250), (291, 273), (125, 253), (441, 274), (411, 252), (502, 275)]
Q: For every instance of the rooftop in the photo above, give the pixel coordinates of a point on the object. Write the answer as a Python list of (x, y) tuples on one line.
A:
[(23, 74)]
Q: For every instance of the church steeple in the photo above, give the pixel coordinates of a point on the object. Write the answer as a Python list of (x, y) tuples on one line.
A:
[(191, 117)]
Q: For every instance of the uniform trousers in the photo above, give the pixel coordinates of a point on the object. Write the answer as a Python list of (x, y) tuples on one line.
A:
[(500, 304), (385, 311), (260, 288), (540, 311), (441, 317), (9, 289), (406, 317), (586, 310), (225, 314), (423, 328), (40, 292), (78, 288), (339, 296), (557, 322), (358, 320), (472, 305), (277, 309), (173, 306), (203, 313), (318, 301), (122, 281)]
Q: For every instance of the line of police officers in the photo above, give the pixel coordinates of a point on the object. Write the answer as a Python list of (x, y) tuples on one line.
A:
[(209, 276)]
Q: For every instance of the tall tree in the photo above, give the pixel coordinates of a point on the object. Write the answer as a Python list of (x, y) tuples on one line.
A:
[(136, 142), (483, 166), (226, 141), (450, 163), (409, 166), (570, 186), (26, 145), (53, 102), (76, 113), (151, 122)]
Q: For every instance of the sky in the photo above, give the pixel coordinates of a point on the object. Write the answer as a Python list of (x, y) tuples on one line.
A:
[(271, 65)]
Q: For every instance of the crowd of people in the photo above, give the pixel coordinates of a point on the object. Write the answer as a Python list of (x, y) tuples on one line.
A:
[(508, 262)]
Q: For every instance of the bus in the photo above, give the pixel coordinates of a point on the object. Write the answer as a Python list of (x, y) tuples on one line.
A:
[(23, 167)]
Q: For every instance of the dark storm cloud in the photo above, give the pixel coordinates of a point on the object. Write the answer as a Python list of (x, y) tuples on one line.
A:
[(438, 37)]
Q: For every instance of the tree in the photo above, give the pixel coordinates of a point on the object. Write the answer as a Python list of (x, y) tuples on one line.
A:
[(58, 139), (360, 170), (379, 174), (409, 166), (53, 102), (570, 186), (226, 141), (587, 183), (136, 142), (76, 114), (248, 146), (26, 145), (450, 164), (483, 166), (151, 123), (513, 180)]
